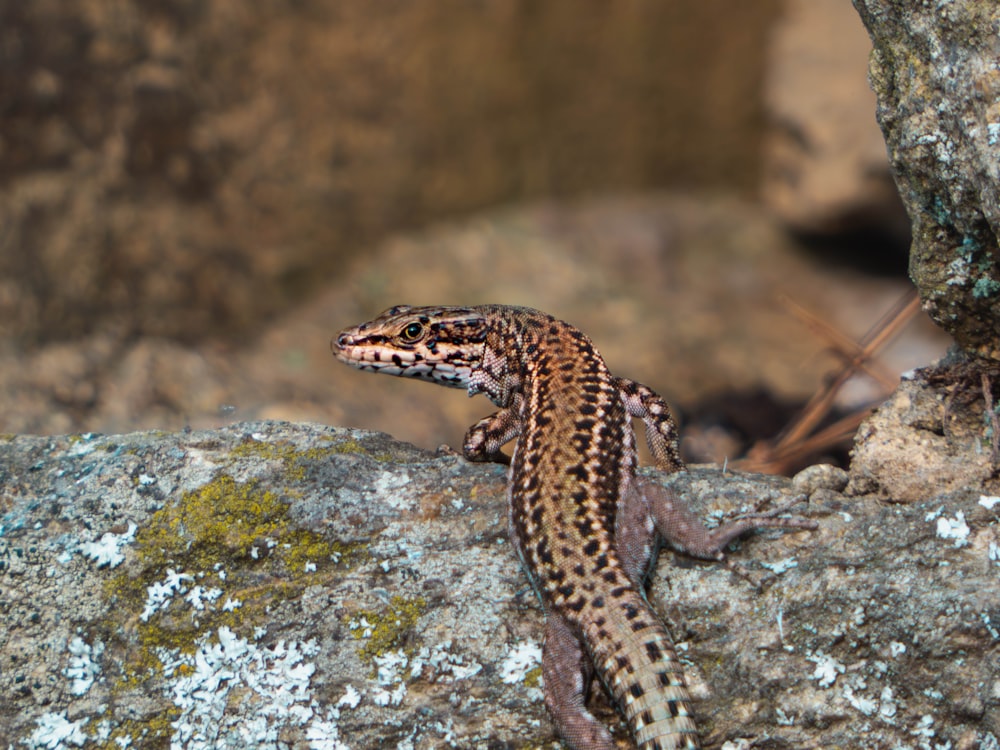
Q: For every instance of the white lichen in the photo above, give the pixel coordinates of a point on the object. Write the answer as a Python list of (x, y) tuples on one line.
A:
[(270, 686), (958, 272), (199, 596), (783, 719), (106, 551), (55, 732), (361, 627), (387, 485), (446, 666), (858, 617), (887, 706), (389, 668), (827, 669), (520, 660), (158, 595), (990, 628), (993, 133), (351, 698), (989, 501), (781, 566), (925, 727), (82, 669), (323, 732), (951, 528), (861, 703)]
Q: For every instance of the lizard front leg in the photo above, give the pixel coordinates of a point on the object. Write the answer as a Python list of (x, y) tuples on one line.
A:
[(485, 438), (661, 430)]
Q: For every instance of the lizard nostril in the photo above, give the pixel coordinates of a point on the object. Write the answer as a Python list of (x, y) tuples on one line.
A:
[(340, 342)]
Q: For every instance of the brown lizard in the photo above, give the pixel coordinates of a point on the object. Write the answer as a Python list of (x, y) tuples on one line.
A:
[(586, 528)]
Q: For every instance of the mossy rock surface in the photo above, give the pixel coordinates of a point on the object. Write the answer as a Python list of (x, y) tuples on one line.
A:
[(278, 585)]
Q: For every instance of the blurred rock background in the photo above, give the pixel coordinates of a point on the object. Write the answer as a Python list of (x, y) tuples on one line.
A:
[(194, 196)]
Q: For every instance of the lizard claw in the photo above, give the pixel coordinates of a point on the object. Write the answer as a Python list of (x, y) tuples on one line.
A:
[(772, 517)]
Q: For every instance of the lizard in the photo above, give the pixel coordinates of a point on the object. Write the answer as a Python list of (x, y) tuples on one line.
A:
[(585, 526)]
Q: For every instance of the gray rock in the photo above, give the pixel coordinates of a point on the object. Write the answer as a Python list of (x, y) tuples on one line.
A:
[(820, 477), (933, 70), (279, 585), (915, 447)]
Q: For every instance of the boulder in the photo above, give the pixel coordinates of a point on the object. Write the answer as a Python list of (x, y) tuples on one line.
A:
[(274, 585)]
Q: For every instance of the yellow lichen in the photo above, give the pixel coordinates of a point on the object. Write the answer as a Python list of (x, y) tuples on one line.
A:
[(234, 538), (353, 446), (533, 677), (348, 446), (220, 522), (388, 629)]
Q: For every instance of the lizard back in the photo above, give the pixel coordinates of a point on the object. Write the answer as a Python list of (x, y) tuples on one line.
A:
[(574, 462)]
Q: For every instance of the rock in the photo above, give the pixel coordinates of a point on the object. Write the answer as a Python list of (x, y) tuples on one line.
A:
[(924, 441), (820, 477), (825, 168), (300, 585), (933, 70)]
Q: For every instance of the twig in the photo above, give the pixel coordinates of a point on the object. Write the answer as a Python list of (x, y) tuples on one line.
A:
[(797, 440), (994, 418)]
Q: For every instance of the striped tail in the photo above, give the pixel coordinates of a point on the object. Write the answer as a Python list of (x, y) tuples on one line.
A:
[(638, 665)]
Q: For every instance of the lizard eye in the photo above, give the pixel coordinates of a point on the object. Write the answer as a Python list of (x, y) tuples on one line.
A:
[(412, 333)]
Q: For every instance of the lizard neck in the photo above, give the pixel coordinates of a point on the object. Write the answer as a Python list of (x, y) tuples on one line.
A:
[(507, 365)]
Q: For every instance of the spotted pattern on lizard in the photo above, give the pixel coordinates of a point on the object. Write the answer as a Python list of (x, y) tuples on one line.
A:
[(586, 528)]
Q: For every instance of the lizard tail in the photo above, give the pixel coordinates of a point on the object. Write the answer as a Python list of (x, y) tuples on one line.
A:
[(644, 675)]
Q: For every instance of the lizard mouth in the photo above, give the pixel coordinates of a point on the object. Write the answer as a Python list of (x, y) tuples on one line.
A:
[(339, 345), (364, 354), (348, 350)]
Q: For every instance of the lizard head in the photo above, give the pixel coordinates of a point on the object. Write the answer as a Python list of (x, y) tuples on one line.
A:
[(441, 344)]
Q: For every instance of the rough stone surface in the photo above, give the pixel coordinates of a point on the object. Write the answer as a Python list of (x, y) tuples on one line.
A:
[(273, 585), (934, 71), (926, 440), (825, 168)]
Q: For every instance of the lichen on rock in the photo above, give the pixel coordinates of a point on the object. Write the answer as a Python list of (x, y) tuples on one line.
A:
[(934, 71), (329, 588)]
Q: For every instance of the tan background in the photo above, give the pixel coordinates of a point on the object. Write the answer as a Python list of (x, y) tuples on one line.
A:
[(195, 195)]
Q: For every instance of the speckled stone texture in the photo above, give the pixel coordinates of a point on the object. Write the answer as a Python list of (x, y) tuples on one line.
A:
[(920, 443), (935, 72), (278, 585)]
